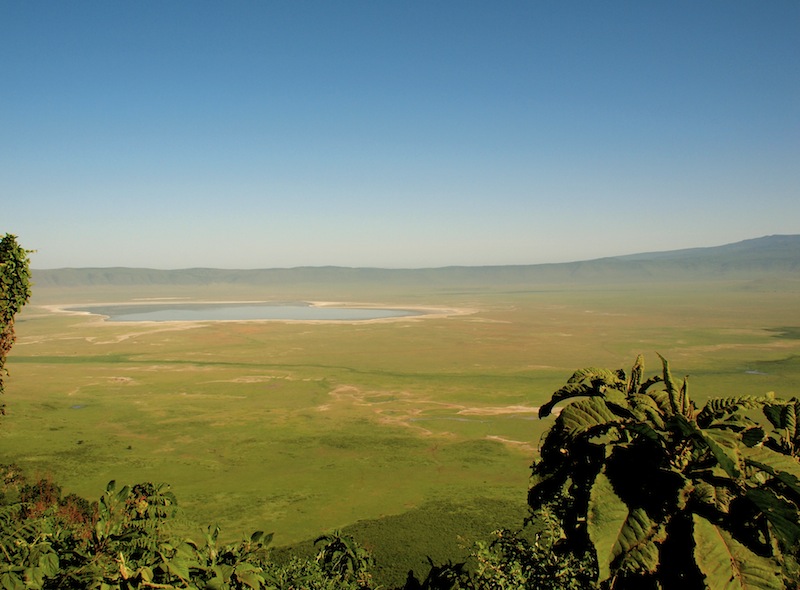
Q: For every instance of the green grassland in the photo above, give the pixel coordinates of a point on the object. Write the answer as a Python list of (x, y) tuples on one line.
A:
[(300, 428)]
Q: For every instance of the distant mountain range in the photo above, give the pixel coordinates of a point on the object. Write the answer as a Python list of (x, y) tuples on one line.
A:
[(775, 256)]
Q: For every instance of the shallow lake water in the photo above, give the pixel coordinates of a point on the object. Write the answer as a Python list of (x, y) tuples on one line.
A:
[(194, 312)]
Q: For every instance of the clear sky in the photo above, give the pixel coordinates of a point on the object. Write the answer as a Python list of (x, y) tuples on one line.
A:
[(258, 134)]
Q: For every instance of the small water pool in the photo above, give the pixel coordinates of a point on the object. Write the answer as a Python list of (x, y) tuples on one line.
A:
[(195, 312)]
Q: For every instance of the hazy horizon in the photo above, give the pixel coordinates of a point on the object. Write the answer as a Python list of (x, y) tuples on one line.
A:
[(394, 135), (627, 255)]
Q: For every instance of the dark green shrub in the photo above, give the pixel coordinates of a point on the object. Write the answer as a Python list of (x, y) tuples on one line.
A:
[(666, 495)]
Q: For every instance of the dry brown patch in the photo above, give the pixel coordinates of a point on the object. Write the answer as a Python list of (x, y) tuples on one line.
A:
[(499, 411), (520, 445), (403, 409), (250, 379)]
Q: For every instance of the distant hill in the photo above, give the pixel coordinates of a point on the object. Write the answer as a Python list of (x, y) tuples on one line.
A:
[(775, 256)]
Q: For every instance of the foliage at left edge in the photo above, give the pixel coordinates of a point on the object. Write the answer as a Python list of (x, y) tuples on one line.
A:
[(15, 291)]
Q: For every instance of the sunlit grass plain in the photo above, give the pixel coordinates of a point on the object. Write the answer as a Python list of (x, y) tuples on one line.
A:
[(300, 428)]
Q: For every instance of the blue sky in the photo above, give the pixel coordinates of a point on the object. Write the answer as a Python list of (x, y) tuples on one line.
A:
[(257, 134)]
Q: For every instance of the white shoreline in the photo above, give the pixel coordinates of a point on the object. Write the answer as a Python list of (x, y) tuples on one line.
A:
[(424, 312)]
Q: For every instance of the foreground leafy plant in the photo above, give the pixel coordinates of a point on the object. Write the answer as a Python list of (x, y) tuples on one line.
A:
[(343, 559), (664, 495), (125, 541)]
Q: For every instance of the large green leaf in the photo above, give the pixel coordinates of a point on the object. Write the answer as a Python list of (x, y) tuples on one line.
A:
[(641, 538), (785, 468), (675, 403), (775, 414), (729, 565), (580, 416), (621, 536), (570, 390), (594, 374), (637, 372), (662, 401), (48, 563), (726, 448), (718, 497), (645, 408), (753, 436), (726, 405), (586, 382), (179, 566), (785, 417), (605, 519), (781, 514)]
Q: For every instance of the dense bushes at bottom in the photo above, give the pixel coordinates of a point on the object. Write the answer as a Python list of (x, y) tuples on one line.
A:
[(126, 540)]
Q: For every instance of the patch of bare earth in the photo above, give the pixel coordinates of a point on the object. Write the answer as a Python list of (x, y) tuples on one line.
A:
[(405, 410), (499, 410), (522, 446)]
